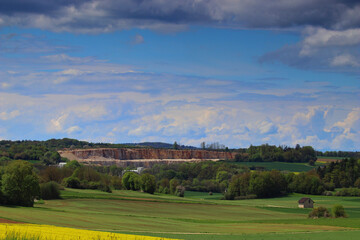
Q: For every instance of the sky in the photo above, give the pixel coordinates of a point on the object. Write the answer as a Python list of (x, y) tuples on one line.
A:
[(281, 72)]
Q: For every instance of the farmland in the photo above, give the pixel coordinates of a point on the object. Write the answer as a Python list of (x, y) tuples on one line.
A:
[(281, 166), (197, 216), (323, 159)]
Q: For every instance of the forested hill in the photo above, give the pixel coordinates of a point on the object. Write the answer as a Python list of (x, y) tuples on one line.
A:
[(271, 153)]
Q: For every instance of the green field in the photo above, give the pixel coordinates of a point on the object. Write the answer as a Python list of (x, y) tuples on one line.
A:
[(281, 166), (336, 158), (197, 216)]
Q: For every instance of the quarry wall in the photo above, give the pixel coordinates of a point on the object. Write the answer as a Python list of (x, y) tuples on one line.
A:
[(142, 157)]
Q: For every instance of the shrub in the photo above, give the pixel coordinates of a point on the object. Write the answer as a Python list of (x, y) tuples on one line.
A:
[(319, 212), (73, 164), (50, 174), (357, 183), (116, 182), (330, 186), (105, 188), (229, 195), (91, 185), (327, 193), (72, 182), (164, 190), (87, 173), (164, 186), (173, 185), (338, 211), (250, 196), (355, 192), (180, 191), (49, 190)]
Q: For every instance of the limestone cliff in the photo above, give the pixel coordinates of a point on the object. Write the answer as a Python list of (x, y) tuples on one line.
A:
[(141, 156)]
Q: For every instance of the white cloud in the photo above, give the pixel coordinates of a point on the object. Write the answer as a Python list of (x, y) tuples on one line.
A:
[(73, 72), (57, 124), (352, 121), (321, 37), (322, 49), (73, 129), (9, 115), (345, 60), (316, 39), (67, 58)]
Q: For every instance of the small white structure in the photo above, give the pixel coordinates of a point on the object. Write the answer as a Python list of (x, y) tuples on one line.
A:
[(138, 170), (61, 164)]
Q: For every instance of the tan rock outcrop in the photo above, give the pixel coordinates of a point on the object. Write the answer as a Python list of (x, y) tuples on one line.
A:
[(145, 157)]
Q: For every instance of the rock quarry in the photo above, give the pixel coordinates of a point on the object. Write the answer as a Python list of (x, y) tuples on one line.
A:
[(142, 157)]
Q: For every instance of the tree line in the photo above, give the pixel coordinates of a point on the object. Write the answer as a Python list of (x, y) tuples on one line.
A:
[(21, 183), (271, 153)]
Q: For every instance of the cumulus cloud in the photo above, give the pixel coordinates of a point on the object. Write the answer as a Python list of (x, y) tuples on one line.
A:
[(83, 16), (121, 119), (322, 49), (345, 60), (351, 123), (9, 115)]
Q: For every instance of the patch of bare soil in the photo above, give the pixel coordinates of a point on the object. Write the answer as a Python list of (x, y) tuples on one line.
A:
[(2, 220)]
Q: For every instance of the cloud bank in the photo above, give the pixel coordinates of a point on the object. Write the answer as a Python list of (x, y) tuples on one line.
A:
[(322, 49), (91, 99), (110, 15)]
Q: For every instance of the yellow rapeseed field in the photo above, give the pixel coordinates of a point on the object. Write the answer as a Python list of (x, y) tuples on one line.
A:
[(46, 232)]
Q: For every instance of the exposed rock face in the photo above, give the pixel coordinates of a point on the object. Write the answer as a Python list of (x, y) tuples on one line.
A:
[(141, 157)]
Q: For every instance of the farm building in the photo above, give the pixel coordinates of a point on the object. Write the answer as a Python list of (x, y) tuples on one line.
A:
[(306, 203)]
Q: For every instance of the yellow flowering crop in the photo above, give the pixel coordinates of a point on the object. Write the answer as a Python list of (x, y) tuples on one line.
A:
[(46, 232)]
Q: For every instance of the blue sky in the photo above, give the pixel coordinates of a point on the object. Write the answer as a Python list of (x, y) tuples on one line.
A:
[(234, 72)]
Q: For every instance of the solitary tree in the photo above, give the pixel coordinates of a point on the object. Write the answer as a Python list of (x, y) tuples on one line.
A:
[(20, 185), (176, 145)]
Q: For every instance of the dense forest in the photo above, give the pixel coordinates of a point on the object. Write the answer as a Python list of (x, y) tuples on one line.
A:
[(269, 153)]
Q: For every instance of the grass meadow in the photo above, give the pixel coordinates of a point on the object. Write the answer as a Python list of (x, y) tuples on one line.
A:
[(281, 166), (197, 216)]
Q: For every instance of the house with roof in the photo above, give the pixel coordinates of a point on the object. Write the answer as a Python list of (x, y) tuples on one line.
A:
[(306, 203)]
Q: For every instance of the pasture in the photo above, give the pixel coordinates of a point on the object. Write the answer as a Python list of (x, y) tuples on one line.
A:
[(197, 216), (322, 159), (281, 166)]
